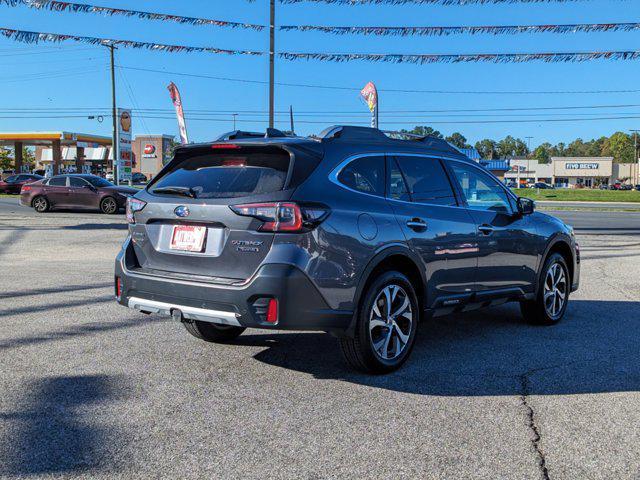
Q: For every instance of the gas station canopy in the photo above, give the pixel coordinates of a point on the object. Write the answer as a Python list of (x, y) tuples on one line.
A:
[(55, 140)]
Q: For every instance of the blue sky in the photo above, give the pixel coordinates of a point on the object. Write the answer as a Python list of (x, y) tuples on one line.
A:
[(75, 76)]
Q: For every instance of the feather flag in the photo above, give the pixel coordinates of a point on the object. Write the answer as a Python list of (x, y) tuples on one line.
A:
[(57, 6), (37, 37), (470, 30)]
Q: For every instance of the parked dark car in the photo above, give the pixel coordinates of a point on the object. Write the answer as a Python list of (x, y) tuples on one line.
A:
[(542, 186), (352, 233), (75, 191), (638, 187), (138, 177), (626, 186), (14, 183)]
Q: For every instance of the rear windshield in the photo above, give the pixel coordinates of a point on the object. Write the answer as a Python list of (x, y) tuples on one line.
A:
[(227, 173)]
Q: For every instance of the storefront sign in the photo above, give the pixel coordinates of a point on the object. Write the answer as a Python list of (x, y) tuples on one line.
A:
[(149, 151), (125, 156), (582, 166)]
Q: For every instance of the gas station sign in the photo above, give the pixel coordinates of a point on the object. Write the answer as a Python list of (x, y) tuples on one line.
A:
[(125, 155)]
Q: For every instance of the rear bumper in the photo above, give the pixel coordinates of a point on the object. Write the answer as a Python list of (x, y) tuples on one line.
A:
[(300, 304)]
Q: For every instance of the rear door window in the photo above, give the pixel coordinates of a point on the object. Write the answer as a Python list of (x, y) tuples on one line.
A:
[(227, 173), (364, 174), (426, 180), (58, 182)]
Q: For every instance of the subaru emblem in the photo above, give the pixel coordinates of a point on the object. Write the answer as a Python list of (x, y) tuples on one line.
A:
[(182, 211)]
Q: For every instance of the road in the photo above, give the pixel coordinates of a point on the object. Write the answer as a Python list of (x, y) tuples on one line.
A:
[(585, 221), (91, 389)]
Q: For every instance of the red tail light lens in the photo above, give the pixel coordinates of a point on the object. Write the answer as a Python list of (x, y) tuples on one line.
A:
[(25, 188), (277, 217), (134, 205)]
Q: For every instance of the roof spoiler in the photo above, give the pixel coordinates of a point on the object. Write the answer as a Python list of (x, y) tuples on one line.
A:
[(238, 134)]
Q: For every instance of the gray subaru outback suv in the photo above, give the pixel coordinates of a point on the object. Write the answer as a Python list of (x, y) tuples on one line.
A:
[(353, 233)]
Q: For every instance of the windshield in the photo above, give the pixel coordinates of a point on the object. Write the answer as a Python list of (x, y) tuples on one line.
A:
[(98, 182), (226, 174)]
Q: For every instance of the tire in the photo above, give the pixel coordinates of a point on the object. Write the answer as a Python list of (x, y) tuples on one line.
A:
[(210, 332), (383, 342), (552, 299), (109, 206), (40, 204)]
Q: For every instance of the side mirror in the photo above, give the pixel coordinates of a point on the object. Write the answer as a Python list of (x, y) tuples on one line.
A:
[(526, 206)]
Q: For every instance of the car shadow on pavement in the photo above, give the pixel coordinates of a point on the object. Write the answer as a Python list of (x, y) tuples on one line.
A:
[(490, 352), (56, 430), (96, 226)]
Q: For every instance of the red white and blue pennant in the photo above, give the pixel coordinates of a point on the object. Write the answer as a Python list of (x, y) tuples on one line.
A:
[(57, 6)]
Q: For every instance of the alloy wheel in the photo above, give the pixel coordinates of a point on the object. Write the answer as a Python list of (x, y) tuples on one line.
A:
[(40, 204), (390, 322), (555, 290), (109, 206)]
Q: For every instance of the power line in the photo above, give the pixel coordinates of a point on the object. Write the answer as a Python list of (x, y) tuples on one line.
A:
[(386, 90)]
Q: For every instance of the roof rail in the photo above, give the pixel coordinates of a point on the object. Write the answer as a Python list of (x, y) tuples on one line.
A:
[(348, 132)]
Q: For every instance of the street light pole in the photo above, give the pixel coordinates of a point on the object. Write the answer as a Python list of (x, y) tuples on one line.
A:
[(234, 115), (529, 156), (114, 148), (272, 48)]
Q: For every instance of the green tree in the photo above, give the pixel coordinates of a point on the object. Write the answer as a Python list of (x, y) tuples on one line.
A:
[(509, 146), (6, 160), (543, 153), (458, 140), (487, 148), (620, 147), (424, 132)]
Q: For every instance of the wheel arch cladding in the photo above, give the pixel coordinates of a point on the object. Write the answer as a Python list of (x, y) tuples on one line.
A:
[(397, 259), (562, 247)]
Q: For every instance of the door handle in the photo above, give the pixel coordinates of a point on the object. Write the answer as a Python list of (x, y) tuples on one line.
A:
[(417, 224), (486, 229)]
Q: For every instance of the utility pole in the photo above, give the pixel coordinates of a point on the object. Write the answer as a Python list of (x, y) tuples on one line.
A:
[(114, 114), (272, 54), (291, 119), (635, 153), (234, 115), (528, 156)]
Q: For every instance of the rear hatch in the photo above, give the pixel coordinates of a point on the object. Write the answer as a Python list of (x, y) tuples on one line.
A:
[(188, 229)]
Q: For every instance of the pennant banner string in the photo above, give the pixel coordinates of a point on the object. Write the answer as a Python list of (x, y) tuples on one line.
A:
[(421, 59), (85, 8), (472, 30), (37, 37), (426, 2)]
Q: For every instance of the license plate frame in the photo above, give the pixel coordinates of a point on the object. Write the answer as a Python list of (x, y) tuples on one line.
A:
[(188, 238)]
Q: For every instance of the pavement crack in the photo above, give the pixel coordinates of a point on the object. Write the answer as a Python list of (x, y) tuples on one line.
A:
[(533, 428)]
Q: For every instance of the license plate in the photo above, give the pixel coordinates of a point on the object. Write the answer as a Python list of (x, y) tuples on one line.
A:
[(188, 238)]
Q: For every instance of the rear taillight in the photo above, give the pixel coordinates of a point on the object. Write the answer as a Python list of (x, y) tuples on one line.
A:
[(134, 205), (26, 188), (283, 216)]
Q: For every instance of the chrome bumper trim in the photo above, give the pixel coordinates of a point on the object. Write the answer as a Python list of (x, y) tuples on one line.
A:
[(192, 313)]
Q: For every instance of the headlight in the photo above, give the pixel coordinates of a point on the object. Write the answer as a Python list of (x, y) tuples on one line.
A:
[(134, 205)]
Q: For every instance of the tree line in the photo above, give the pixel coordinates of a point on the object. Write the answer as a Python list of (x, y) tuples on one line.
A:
[(620, 146)]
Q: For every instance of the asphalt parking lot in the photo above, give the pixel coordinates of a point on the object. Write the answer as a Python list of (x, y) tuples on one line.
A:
[(91, 389)]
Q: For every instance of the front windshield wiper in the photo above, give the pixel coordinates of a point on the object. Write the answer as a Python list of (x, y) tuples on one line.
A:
[(185, 191)]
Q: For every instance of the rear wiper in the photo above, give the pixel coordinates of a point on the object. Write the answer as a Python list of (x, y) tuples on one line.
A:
[(185, 191)]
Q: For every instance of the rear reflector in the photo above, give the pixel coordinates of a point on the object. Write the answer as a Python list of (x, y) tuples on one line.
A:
[(118, 288), (272, 311)]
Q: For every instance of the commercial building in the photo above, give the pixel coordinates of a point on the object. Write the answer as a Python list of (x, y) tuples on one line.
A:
[(150, 153), (56, 143), (572, 172)]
